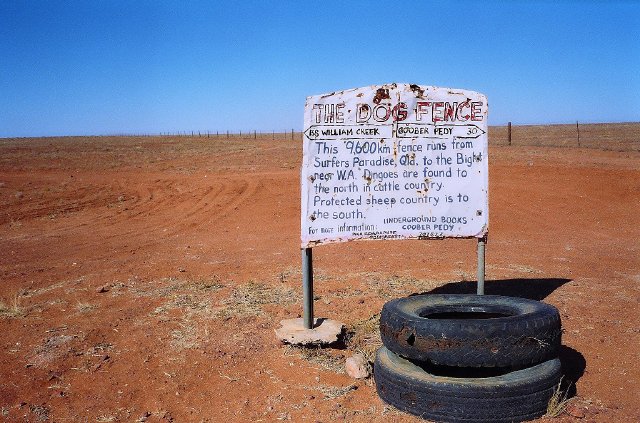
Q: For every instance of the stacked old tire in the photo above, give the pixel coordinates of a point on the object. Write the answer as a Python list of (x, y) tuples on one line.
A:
[(469, 358)]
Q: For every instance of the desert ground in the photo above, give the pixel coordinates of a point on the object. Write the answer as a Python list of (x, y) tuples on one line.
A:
[(142, 278)]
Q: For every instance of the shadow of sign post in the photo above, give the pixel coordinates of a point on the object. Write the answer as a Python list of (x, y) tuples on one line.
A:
[(392, 162)]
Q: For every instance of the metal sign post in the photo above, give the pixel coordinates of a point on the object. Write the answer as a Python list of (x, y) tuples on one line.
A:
[(481, 247), (307, 288)]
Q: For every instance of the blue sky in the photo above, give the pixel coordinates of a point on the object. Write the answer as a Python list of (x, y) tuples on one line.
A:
[(104, 67)]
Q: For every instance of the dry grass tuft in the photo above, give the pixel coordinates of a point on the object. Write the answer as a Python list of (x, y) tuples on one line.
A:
[(288, 273), (558, 402), (364, 337), (207, 285), (193, 299), (186, 337), (84, 307), (190, 296), (396, 286), (169, 286), (332, 392), (321, 357), (391, 411), (248, 300), (12, 310), (189, 302)]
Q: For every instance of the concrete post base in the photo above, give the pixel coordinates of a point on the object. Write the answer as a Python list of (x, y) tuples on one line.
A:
[(325, 331)]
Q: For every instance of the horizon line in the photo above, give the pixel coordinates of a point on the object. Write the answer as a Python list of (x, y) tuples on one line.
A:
[(218, 133)]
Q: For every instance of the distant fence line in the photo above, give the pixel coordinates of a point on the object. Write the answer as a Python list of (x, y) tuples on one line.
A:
[(255, 134), (604, 136)]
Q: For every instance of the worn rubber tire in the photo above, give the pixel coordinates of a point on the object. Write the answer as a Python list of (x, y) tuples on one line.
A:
[(529, 334), (513, 397)]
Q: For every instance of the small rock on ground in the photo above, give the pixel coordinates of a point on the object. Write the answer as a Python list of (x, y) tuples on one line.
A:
[(357, 366)]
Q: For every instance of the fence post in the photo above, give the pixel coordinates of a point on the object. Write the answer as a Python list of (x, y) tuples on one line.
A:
[(509, 133), (273, 135), (292, 134), (578, 131)]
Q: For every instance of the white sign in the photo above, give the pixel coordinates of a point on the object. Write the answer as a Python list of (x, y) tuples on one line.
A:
[(394, 161)]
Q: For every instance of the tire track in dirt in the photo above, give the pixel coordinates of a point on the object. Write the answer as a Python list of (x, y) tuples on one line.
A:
[(48, 196), (150, 201), (186, 212), (193, 207), (150, 213)]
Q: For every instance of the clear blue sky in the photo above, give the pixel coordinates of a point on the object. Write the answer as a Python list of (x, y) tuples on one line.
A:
[(101, 67)]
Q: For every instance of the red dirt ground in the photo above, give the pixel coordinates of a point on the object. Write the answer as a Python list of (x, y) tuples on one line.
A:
[(142, 279)]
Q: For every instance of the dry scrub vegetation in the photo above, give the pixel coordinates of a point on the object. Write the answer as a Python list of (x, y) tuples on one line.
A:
[(12, 309), (559, 401)]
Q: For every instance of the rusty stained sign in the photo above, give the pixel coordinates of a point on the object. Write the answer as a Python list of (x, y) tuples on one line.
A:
[(394, 161)]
